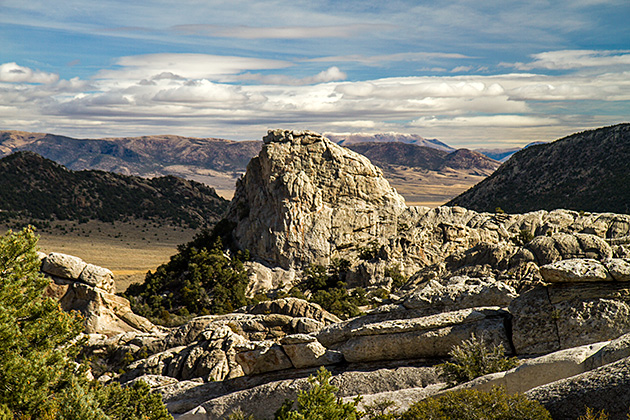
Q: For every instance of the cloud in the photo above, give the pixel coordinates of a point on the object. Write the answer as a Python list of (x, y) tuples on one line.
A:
[(277, 32), (329, 75), (11, 72), (574, 59), (376, 60), (185, 66)]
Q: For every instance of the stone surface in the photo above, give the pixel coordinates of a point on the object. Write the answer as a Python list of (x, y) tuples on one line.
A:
[(264, 399), (619, 268), (62, 265), (575, 270), (569, 315), (304, 196), (99, 277), (305, 351), (293, 307), (261, 357), (616, 349), (460, 292), (605, 388), (102, 312)]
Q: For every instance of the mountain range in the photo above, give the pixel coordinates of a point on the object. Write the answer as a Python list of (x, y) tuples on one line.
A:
[(32, 187), (426, 172), (588, 171)]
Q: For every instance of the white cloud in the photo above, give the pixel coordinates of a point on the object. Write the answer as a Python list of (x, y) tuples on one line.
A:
[(188, 66), (276, 32), (375, 60), (574, 59), (11, 72), (329, 75)]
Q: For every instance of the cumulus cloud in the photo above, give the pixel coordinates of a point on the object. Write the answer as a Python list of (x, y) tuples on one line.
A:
[(11, 72)]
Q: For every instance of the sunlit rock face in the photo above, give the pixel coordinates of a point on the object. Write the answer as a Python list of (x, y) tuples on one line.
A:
[(305, 200)]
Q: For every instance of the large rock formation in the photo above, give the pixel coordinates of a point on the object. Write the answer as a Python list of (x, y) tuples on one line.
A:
[(303, 199)]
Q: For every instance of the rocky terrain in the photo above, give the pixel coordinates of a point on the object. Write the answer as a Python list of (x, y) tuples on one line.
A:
[(585, 172), (32, 187), (550, 286)]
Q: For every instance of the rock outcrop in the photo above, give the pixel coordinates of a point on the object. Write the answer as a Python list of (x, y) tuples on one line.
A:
[(89, 289), (305, 198)]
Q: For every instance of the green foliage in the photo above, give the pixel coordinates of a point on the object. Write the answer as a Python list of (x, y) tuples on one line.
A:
[(473, 359), (134, 402), (592, 415), (327, 288), (470, 405), (524, 236), (238, 414), (39, 378), (398, 279), (202, 278), (369, 252), (319, 403)]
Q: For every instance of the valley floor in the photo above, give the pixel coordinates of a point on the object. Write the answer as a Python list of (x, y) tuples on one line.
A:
[(128, 249)]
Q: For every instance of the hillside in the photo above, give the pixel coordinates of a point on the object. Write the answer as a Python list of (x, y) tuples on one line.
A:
[(215, 162), (32, 187), (587, 171), (425, 175), (349, 139)]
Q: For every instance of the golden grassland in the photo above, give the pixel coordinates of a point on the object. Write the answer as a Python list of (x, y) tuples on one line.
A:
[(128, 249)]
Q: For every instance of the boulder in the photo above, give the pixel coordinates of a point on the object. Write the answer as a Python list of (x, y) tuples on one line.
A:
[(617, 349), (430, 336), (62, 265), (460, 292), (566, 315), (604, 388), (619, 268), (99, 277), (575, 270), (261, 357), (293, 307), (102, 312), (305, 351), (304, 196)]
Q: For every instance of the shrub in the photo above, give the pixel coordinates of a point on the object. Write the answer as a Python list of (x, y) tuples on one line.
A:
[(473, 359), (592, 415), (319, 403), (202, 278), (381, 410), (470, 404), (327, 288)]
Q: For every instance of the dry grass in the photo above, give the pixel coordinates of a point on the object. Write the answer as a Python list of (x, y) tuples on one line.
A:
[(128, 249)]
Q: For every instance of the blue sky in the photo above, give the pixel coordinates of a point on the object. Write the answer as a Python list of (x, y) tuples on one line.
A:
[(471, 73)]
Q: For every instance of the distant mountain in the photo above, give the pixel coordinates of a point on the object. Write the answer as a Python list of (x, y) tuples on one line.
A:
[(216, 162), (503, 155), (420, 157), (34, 187), (348, 139), (424, 175), (587, 171)]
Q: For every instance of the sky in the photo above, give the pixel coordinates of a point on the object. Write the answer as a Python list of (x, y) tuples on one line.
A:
[(493, 74)]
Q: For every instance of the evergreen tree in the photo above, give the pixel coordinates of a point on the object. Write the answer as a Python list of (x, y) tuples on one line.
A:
[(39, 377)]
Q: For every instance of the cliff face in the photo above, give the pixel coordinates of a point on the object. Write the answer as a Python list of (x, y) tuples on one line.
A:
[(304, 199)]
